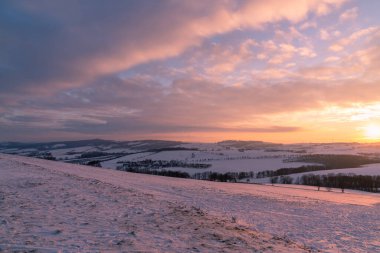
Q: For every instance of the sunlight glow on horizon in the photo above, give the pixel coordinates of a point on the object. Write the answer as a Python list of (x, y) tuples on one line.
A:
[(372, 132)]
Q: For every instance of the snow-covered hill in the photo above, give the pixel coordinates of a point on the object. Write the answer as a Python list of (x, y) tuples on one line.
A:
[(50, 206)]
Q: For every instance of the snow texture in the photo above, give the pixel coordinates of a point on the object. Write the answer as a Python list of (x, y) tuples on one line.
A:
[(49, 206)]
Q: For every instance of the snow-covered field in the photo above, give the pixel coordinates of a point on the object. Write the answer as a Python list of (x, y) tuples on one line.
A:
[(112, 164), (222, 162), (64, 153), (255, 165), (220, 165), (228, 159), (51, 206)]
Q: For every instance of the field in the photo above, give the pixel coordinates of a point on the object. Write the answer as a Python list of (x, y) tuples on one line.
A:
[(48, 205)]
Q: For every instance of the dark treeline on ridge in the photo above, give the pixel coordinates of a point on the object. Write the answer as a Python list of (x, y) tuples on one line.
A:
[(343, 181), (166, 173)]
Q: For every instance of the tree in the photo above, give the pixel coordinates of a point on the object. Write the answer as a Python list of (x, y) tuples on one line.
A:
[(274, 180), (94, 163), (286, 179)]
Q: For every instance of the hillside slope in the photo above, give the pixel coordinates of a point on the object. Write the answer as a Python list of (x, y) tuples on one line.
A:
[(48, 206)]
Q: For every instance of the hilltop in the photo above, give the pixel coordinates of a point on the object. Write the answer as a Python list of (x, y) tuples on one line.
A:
[(47, 205)]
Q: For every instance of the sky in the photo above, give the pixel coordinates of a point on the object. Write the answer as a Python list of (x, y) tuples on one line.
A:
[(285, 71)]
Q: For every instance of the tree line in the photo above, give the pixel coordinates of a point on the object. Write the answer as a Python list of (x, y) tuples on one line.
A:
[(166, 173), (223, 177), (343, 181), (159, 164)]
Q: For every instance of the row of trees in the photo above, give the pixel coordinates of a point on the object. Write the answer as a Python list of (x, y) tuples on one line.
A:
[(167, 173), (279, 174), (288, 171), (281, 180), (42, 155), (229, 176), (343, 181), (95, 163), (159, 164)]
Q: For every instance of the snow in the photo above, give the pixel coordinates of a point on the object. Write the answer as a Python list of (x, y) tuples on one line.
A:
[(243, 165), (61, 145), (113, 164), (225, 157), (62, 152), (53, 207), (57, 205), (255, 165), (118, 150), (313, 188), (222, 162), (172, 155)]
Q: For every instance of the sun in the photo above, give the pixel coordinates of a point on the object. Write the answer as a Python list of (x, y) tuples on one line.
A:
[(372, 132)]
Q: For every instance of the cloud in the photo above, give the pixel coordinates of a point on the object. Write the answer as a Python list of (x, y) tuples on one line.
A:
[(141, 105), (273, 74), (349, 14), (332, 59), (136, 105), (306, 52), (219, 58), (118, 109), (284, 52), (324, 34), (362, 65), (146, 68), (67, 44), (342, 43), (308, 25)]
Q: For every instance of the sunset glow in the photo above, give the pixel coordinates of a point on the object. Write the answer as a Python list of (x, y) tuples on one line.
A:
[(372, 132), (279, 71)]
